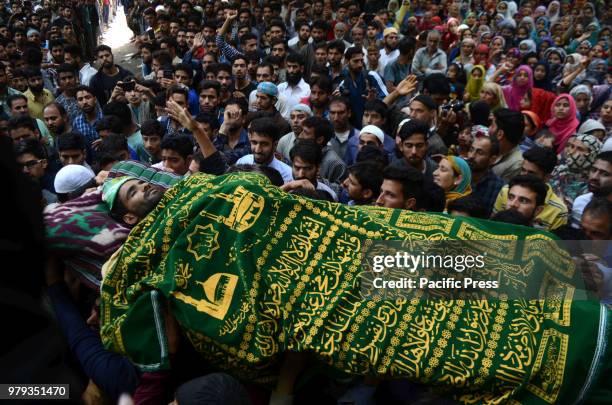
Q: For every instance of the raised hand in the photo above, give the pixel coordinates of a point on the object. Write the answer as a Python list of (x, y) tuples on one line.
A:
[(407, 86)]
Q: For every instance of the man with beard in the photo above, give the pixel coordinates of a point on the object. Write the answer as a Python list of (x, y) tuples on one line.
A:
[(359, 85), (302, 39), (103, 82), (600, 182), (332, 167), (389, 53), (335, 51), (56, 119), (306, 157), (232, 140), (223, 74), (74, 57), (298, 115), (38, 97), (67, 82), (295, 88), (265, 100), (130, 199), (485, 184), (210, 94), (263, 137), (320, 94), (340, 111), (146, 53), (91, 112)]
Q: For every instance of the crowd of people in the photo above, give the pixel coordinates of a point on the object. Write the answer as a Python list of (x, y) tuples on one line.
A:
[(486, 109)]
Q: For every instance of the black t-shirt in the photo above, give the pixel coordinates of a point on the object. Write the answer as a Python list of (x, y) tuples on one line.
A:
[(102, 85)]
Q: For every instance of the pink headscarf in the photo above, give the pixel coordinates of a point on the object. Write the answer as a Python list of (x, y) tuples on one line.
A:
[(566, 127), (513, 93)]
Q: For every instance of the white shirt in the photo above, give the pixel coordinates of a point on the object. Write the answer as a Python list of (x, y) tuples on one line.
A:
[(578, 206), (294, 94), (386, 58), (283, 168), (86, 73)]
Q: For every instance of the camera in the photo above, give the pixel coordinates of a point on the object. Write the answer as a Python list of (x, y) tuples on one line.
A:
[(127, 85), (456, 105)]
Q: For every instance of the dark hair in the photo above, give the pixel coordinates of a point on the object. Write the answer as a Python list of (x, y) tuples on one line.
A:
[(152, 127), (18, 72), (246, 37), (307, 150), (70, 141), (10, 99), (377, 106), (120, 110), (406, 45), (607, 156), (82, 87), (532, 183), (469, 204), (337, 45), (479, 113), (426, 101), (600, 206), (221, 67), (163, 57), (323, 83), (31, 72), (177, 89), (74, 50), (322, 70), (544, 158), (66, 68), (208, 119), (320, 24), (437, 83), (23, 121), (295, 58), (112, 145), (240, 102), (210, 84), (299, 24), (413, 127), (369, 175), (322, 128), (169, 41), (266, 127), (277, 22), (511, 122), (433, 199), (184, 67), (103, 48), (511, 217), (31, 146), (353, 50), (373, 155), (342, 100), (181, 144), (109, 123), (410, 179)]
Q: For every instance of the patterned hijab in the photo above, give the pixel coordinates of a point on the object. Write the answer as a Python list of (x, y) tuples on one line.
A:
[(570, 178), (464, 188)]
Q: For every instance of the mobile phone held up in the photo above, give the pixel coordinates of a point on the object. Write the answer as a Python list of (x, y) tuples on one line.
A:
[(127, 85)]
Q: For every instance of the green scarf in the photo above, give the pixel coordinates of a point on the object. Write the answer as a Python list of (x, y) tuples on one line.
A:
[(250, 272)]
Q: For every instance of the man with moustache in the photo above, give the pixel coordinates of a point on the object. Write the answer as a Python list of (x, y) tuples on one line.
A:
[(103, 82), (295, 88), (67, 82), (38, 97), (600, 182), (56, 119)]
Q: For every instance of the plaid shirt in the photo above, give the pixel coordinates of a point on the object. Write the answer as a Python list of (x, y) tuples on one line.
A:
[(242, 148), (226, 49), (82, 126), (487, 190)]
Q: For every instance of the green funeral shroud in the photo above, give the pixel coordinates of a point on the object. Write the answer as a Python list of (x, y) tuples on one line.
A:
[(250, 272)]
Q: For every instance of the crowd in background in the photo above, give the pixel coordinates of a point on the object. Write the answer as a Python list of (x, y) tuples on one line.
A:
[(487, 109)]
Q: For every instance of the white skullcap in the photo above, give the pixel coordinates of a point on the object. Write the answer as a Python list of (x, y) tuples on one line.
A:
[(72, 177), (374, 130), (302, 107), (160, 8), (607, 146)]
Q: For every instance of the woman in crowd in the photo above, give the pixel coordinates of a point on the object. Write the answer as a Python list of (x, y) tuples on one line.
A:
[(570, 179), (522, 82), (493, 95), (563, 122), (454, 176), (474, 85)]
